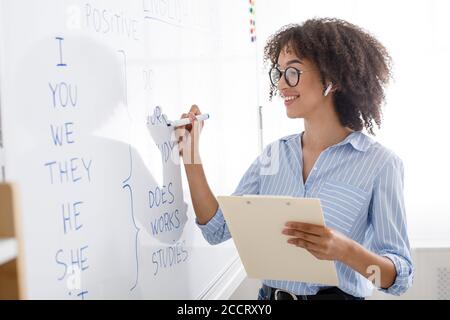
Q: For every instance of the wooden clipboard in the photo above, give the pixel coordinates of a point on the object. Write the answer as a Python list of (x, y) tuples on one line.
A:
[(256, 222)]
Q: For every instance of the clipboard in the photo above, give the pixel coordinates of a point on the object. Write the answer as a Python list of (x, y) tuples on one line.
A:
[(255, 223)]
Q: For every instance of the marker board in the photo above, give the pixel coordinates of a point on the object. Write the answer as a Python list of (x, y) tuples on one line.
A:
[(105, 206)]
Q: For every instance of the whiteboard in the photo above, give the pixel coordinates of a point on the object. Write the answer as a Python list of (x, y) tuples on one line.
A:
[(105, 208)]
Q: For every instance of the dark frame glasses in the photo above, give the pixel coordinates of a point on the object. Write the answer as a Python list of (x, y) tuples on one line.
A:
[(291, 76)]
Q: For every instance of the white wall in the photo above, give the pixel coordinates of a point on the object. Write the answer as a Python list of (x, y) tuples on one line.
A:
[(415, 126)]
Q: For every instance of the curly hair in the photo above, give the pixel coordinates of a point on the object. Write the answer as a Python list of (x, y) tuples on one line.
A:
[(357, 63)]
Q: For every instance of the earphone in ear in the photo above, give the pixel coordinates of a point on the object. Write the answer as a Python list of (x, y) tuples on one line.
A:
[(328, 89)]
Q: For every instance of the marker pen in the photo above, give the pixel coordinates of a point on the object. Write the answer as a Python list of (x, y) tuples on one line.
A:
[(185, 121)]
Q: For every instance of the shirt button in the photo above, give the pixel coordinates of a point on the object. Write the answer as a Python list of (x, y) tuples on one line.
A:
[(314, 168)]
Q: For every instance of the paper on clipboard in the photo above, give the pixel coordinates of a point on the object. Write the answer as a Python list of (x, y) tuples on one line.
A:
[(256, 222)]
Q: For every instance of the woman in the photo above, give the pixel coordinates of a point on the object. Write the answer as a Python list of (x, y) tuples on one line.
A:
[(332, 74)]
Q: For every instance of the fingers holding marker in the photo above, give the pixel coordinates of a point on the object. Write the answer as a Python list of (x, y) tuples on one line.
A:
[(189, 120), (191, 117), (193, 113), (180, 133), (188, 129)]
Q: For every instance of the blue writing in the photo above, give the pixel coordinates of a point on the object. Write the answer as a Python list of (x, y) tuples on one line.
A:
[(87, 166), (166, 149), (158, 196), (60, 64), (82, 294), (169, 257), (157, 117), (64, 94), (70, 214), (71, 171), (108, 22), (62, 134), (165, 223), (59, 261), (76, 258)]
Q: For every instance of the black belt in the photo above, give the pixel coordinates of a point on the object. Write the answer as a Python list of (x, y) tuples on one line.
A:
[(333, 293)]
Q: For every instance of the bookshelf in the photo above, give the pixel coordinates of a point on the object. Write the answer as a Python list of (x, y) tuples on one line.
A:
[(10, 261)]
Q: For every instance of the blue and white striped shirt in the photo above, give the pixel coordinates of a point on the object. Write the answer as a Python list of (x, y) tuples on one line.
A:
[(360, 185)]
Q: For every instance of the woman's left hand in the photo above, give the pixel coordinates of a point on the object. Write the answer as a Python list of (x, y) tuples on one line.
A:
[(322, 242)]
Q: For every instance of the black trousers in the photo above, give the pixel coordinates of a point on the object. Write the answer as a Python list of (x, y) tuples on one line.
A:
[(333, 293)]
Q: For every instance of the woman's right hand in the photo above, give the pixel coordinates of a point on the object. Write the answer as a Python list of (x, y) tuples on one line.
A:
[(189, 137), (203, 200)]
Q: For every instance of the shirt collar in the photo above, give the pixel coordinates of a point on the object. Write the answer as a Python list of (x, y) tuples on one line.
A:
[(356, 139)]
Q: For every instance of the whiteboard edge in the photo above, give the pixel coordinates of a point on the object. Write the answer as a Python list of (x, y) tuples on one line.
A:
[(227, 283), (2, 133)]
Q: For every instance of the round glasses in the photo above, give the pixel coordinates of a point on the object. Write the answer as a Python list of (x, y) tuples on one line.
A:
[(291, 76)]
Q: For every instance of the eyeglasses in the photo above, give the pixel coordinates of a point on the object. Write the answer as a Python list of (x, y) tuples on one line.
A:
[(291, 75)]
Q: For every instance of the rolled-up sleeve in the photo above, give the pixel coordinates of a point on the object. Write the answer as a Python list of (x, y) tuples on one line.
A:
[(216, 230), (388, 219)]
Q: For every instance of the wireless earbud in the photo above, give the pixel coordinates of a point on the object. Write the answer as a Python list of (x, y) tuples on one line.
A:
[(328, 89)]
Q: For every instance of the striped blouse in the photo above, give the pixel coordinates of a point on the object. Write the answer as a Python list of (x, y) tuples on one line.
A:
[(360, 185)]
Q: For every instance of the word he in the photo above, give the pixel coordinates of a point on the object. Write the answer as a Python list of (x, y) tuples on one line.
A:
[(105, 21), (169, 256), (69, 171), (71, 216)]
